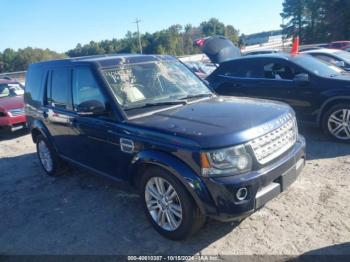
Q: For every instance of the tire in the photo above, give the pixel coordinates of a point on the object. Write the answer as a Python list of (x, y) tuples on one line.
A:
[(191, 218), (336, 122), (48, 158)]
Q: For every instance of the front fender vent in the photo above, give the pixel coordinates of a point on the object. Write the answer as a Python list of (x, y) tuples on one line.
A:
[(127, 145)]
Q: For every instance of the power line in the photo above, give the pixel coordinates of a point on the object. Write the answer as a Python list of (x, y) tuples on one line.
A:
[(137, 21)]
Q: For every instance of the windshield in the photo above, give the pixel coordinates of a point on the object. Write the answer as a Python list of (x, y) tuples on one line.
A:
[(316, 66), (137, 85), (13, 89), (343, 55)]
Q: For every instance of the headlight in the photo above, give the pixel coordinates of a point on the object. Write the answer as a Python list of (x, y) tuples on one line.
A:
[(228, 161)]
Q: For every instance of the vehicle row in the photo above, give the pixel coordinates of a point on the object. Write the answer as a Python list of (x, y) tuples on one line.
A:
[(219, 147)]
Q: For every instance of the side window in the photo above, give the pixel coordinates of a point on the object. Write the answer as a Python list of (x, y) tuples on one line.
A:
[(244, 70), (60, 88), (278, 71), (33, 84), (85, 87), (328, 59)]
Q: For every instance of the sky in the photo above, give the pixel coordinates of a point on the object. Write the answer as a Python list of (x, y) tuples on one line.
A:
[(61, 24)]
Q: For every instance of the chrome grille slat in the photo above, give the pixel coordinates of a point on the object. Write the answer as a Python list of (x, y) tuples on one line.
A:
[(17, 112), (276, 142)]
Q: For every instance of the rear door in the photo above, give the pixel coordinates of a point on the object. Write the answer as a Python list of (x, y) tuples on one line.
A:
[(58, 110), (236, 78)]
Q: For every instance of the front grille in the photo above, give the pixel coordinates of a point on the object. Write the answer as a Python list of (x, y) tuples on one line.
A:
[(275, 143), (17, 112)]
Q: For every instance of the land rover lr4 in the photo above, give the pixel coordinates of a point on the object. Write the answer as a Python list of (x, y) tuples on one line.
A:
[(149, 120)]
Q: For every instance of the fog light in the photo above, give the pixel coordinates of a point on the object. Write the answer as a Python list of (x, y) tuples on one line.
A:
[(242, 193)]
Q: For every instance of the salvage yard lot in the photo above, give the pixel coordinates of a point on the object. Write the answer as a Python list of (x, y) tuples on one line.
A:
[(80, 213)]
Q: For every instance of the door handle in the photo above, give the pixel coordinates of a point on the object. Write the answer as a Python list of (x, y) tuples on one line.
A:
[(236, 85)]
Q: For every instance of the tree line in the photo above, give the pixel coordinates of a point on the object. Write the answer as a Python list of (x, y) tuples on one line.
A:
[(12, 60), (317, 21), (314, 21), (175, 40)]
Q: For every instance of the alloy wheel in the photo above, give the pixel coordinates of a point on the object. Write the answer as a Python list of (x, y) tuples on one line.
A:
[(163, 203), (339, 124), (45, 156)]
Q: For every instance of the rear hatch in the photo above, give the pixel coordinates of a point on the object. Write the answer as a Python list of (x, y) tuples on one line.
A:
[(218, 48)]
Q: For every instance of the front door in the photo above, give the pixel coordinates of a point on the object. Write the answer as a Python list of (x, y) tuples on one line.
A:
[(97, 144)]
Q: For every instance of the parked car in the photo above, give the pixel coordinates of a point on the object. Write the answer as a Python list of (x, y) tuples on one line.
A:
[(318, 92), (339, 45), (336, 57), (149, 120), (12, 116), (261, 52), (199, 68)]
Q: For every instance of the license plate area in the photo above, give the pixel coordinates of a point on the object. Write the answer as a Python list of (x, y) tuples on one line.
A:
[(287, 178)]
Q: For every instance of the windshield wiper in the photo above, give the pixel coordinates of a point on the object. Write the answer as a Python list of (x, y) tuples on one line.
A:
[(164, 103), (196, 96)]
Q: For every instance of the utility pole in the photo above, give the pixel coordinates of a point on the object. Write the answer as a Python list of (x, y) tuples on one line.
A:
[(137, 21)]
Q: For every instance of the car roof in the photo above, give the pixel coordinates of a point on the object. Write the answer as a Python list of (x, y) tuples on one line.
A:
[(281, 55), (340, 42), (104, 61), (322, 50), (261, 50)]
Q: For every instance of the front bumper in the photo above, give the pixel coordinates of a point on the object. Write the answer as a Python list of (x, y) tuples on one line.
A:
[(263, 185), (13, 123)]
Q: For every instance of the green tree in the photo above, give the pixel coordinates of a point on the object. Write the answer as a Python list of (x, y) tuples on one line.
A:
[(317, 20), (11, 60), (212, 27)]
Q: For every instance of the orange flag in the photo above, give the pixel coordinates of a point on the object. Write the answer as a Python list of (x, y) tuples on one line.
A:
[(295, 47)]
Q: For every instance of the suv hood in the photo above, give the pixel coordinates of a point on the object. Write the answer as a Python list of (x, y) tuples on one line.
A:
[(12, 102), (218, 48), (213, 123)]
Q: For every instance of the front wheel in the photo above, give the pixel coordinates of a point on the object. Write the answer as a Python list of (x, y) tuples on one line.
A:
[(169, 206), (336, 122)]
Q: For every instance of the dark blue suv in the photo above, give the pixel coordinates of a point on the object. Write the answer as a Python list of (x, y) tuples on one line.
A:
[(151, 121)]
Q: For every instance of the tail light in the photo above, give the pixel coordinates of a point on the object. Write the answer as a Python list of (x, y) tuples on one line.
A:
[(199, 42)]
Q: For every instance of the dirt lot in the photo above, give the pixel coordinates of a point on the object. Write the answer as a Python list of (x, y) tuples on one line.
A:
[(84, 214)]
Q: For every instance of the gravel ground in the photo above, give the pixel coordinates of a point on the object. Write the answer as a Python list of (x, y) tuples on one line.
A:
[(80, 213)]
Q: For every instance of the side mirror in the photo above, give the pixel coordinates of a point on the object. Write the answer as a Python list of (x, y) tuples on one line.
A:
[(340, 64), (91, 108), (301, 78)]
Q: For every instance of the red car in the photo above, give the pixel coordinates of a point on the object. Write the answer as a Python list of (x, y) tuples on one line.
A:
[(12, 116), (339, 45)]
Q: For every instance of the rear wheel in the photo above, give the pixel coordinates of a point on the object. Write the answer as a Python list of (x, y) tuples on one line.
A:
[(48, 157), (336, 122), (169, 206)]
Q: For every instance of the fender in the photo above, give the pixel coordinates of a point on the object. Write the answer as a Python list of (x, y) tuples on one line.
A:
[(191, 181), (39, 126), (327, 102)]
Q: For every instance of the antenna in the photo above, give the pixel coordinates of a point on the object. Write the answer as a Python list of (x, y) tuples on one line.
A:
[(137, 21)]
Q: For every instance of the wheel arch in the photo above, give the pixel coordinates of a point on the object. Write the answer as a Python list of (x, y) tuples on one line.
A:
[(187, 177), (329, 103), (38, 128)]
